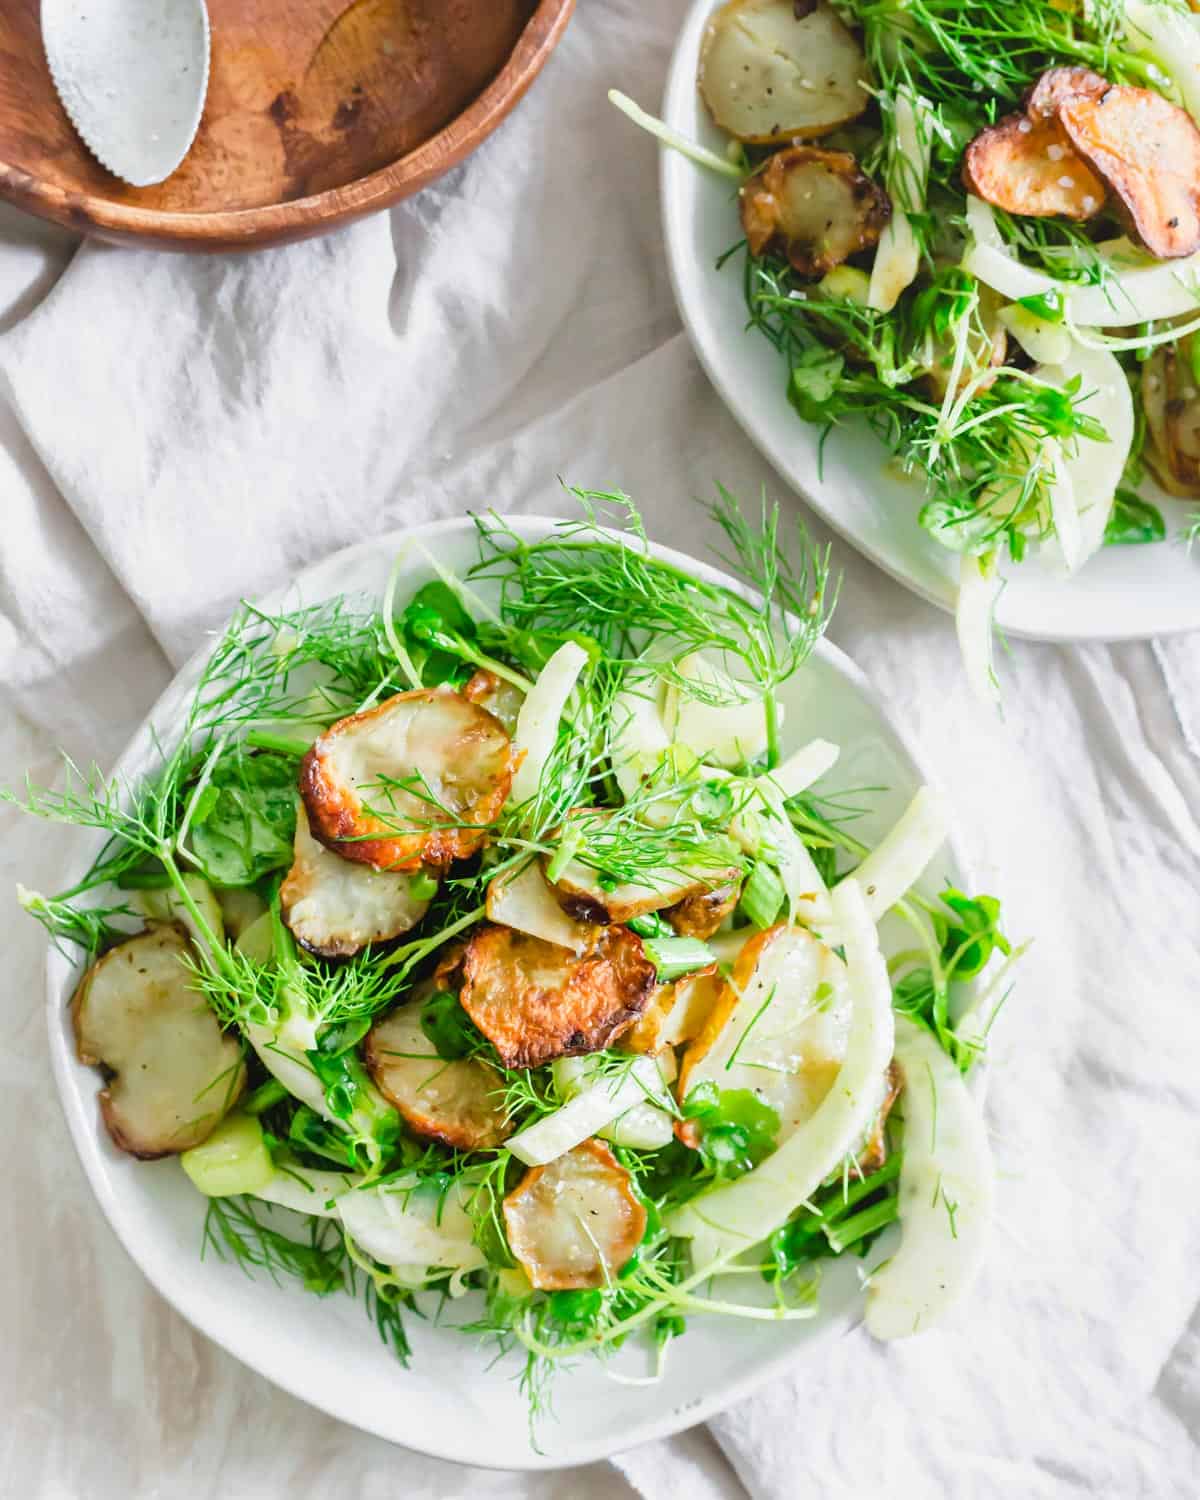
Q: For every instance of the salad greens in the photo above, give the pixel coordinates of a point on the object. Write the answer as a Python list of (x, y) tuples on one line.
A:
[(539, 1064), (1018, 325)]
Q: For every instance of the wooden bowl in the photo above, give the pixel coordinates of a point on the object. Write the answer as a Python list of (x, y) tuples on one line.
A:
[(319, 111)]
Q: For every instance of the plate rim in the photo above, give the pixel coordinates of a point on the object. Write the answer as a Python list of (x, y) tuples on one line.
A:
[(222, 230), (85, 1136), (680, 79)]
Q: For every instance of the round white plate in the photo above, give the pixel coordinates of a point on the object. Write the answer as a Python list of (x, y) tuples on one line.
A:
[(453, 1401), (1124, 593)]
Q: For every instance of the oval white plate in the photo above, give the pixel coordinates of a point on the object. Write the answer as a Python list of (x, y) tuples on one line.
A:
[(450, 1403), (1124, 593)]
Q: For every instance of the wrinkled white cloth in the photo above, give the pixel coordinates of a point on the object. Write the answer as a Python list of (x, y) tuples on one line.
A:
[(178, 432)]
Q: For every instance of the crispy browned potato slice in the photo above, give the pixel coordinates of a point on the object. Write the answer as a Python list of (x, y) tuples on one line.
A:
[(457, 1103), (773, 71), (1058, 85), (574, 1223), (536, 1001), (813, 206), (433, 766), (1029, 167), (335, 907), (700, 914), (1172, 406), (1148, 151), (175, 1072)]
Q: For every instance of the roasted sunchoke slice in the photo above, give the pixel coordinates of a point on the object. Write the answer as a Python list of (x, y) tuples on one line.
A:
[(536, 1001), (416, 779), (174, 1072), (1148, 152), (1171, 402), (575, 1222), (336, 906), (814, 206), (1029, 167), (772, 71), (456, 1102)]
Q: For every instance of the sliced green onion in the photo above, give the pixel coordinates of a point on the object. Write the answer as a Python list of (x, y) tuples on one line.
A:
[(675, 956), (763, 896), (282, 744), (650, 925), (568, 847), (264, 1097), (424, 886), (842, 1236)]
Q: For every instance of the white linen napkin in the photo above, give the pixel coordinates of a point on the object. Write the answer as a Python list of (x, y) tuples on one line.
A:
[(184, 431)]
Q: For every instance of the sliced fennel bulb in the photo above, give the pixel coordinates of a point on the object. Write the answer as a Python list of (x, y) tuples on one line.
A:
[(804, 766), (281, 1049), (946, 1193), (1064, 513), (640, 739), (978, 590), (403, 1226), (729, 733), (282, 1045), (1093, 470), (646, 1125), (167, 905), (898, 254), (1137, 294), (1047, 343), (901, 857), (1169, 39), (234, 1159), (588, 1112), (305, 1191), (732, 1218), (538, 720), (766, 830), (411, 1228)]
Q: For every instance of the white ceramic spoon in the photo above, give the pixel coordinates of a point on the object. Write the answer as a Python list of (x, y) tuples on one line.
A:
[(132, 75)]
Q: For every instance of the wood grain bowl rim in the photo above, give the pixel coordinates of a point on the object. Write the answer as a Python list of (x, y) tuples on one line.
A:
[(318, 213)]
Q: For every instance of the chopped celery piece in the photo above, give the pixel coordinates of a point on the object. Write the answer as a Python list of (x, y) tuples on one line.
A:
[(233, 1160)]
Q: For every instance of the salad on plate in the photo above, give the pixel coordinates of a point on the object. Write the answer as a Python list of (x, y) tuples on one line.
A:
[(500, 954), (974, 227)]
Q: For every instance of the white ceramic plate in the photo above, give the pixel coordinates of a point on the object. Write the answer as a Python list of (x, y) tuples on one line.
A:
[(450, 1403), (1124, 593)]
